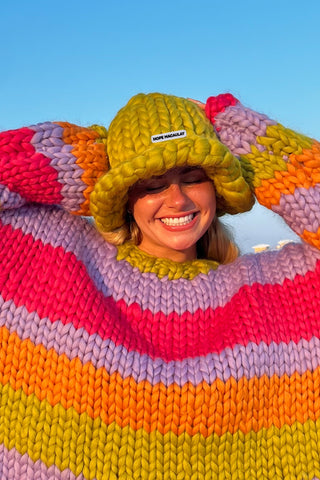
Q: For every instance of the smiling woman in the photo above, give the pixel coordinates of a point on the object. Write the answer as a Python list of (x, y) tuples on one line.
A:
[(173, 212), (177, 179), (143, 356)]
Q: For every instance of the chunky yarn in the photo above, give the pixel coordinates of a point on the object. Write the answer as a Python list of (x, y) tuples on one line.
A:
[(133, 156), (282, 166), (115, 364), (69, 157)]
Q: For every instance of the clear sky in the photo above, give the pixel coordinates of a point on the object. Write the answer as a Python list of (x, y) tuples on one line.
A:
[(80, 61)]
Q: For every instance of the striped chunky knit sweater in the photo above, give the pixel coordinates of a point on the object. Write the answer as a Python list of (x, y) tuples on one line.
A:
[(115, 364)]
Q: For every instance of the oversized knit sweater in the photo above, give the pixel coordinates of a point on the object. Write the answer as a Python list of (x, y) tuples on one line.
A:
[(115, 364)]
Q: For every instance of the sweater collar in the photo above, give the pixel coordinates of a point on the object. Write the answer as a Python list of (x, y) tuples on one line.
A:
[(163, 267)]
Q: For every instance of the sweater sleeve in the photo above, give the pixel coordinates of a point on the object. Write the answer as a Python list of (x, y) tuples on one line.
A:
[(53, 163), (281, 166)]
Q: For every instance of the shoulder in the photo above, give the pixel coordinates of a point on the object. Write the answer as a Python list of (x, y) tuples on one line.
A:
[(293, 261)]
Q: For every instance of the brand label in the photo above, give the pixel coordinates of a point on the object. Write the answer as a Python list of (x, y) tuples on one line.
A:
[(162, 137)]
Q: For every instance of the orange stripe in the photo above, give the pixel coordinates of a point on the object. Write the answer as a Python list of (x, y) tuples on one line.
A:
[(218, 408), (303, 171), (313, 238), (90, 154)]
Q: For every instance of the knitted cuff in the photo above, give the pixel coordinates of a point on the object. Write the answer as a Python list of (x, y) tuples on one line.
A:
[(215, 105)]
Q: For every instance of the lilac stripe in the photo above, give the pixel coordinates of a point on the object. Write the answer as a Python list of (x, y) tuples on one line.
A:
[(301, 209), (123, 282), (13, 465), (241, 361), (10, 199), (238, 128), (160, 295), (48, 141)]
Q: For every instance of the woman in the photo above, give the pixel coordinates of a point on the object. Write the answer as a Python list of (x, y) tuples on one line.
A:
[(131, 352)]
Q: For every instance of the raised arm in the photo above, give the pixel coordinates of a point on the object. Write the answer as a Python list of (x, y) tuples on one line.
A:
[(51, 163), (282, 166)]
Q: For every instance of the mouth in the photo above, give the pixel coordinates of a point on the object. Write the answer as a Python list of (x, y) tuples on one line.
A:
[(178, 221)]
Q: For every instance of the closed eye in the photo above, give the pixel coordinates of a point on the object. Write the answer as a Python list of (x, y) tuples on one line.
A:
[(155, 188)]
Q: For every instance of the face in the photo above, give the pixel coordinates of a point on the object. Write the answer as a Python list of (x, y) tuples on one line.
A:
[(173, 211)]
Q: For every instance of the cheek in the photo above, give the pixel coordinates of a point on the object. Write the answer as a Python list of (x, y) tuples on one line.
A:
[(205, 197), (144, 209)]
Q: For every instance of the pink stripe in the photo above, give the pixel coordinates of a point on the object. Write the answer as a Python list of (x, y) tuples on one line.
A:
[(26, 172), (56, 285)]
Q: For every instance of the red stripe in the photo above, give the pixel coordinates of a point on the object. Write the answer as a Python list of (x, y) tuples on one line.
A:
[(56, 285), (26, 172)]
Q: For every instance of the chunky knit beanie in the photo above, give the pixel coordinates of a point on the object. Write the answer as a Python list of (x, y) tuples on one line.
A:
[(152, 134)]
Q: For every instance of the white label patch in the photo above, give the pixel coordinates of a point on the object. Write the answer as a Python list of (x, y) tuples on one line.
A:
[(162, 137)]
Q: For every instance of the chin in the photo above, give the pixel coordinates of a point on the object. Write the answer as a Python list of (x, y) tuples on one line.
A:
[(180, 243), (180, 247)]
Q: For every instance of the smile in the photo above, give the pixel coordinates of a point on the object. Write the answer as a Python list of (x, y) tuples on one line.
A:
[(178, 221)]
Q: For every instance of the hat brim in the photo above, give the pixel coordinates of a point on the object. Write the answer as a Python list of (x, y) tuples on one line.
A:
[(108, 201)]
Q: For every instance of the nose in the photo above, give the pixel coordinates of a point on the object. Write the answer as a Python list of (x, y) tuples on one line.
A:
[(176, 196)]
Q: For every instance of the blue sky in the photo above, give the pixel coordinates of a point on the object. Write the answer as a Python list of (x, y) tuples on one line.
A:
[(80, 61)]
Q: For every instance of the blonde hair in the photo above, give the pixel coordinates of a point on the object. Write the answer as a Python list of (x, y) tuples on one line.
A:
[(216, 244)]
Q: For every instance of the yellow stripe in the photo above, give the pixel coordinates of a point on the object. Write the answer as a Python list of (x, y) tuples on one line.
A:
[(249, 404), (278, 142), (69, 440), (301, 171)]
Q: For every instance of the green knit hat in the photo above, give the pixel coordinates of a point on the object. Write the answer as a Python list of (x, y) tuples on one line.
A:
[(152, 134)]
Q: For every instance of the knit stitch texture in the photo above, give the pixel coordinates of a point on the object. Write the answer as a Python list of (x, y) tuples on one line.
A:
[(118, 365)]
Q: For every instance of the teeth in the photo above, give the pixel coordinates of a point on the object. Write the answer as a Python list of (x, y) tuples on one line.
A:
[(172, 222)]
